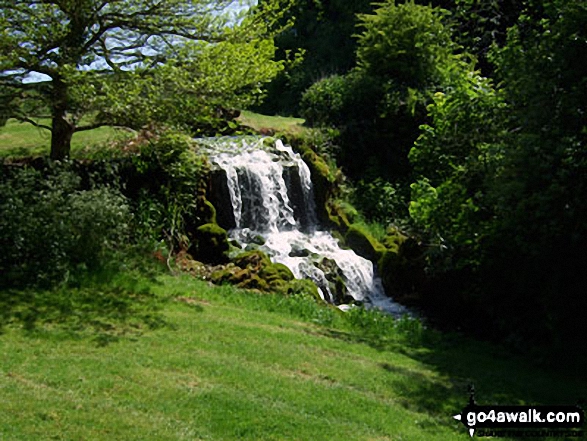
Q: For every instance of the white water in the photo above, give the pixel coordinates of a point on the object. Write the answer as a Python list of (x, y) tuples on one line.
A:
[(262, 206)]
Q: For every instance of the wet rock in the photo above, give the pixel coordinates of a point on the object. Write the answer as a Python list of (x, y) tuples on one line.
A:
[(336, 282), (299, 252), (219, 196)]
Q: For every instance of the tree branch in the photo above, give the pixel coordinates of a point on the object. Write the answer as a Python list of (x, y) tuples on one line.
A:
[(33, 122), (91, 126)]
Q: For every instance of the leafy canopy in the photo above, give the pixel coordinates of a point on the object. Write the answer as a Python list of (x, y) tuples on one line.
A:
[(117, 56)]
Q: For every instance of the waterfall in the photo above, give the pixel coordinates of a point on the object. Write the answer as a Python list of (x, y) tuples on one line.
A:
[(272, 205)]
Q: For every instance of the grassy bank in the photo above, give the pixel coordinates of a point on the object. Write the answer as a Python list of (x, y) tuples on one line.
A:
[(19, 140), (276, 124), (193, 362), (22, 139)]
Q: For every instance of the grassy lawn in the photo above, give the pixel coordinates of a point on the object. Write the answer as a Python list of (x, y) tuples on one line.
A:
[(24, 140), (280, 124), (201, 363), (18, 140)]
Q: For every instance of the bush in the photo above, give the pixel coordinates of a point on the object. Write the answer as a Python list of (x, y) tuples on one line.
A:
[(50, 228), (406, 42), (340, 100), (380, 201), (324, 101), (170, 174)]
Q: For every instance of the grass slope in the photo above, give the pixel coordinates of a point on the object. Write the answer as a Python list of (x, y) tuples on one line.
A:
[(19, 140), (22, 140), (230, 365), (277, 124)]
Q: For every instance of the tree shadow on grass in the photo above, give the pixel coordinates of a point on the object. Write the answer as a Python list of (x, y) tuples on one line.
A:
[(106, 313), (451, 363)]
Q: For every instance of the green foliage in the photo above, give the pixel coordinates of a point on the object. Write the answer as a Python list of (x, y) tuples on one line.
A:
[(456, 157), (197, 89), (406, 42), (481, 25), (51, 228), (323, 32), (340, 100), (405, 54), (467, 122), (171, 173), (539, 193), (380, 201), (133, 62), (323, 102), (501, 186)]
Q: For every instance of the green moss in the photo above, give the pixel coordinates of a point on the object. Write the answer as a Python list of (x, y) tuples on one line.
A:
[(222, 276), (254, 282), (252, 259), (402, 271), (283, 271), (304, 287), (206, 211), (362, 243), (254, 270), (323, 178), (211, 244)]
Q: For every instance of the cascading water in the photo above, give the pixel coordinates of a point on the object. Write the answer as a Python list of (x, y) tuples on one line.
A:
[(272, 202)]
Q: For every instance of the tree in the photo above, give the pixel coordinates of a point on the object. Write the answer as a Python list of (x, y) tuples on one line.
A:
[(540, 192), (405, 53), (502, 186), (324, 31), (109, 55)]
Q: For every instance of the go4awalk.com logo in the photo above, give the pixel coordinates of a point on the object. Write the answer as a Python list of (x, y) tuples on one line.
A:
[(532, 421)]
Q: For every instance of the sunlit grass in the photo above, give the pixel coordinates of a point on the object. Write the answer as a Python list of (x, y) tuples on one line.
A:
[(276, 124), (231, 365), (18, 140)]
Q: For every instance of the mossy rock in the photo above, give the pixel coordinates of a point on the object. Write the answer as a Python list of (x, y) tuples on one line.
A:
[(206, 212), (211, 244), (254, 282), (393, 239), (303, 287), (323, 180), (336, 281), (230, 274), (337, 217), (363, 243), (252, 259), (284, 272), (402, 271), (254, 270)]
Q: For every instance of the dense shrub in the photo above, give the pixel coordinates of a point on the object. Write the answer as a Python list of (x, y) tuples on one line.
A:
[(51, 228), (501, 188), (169, 177), (408, 43), (405, 54), (340, 100), (323, 102), (380, 201)]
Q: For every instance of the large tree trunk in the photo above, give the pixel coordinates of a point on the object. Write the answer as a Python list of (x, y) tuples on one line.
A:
[(61, 129), (61, 134)]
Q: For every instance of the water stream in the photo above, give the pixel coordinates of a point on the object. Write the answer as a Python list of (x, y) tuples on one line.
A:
[(268, 190)]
